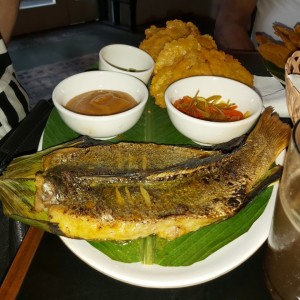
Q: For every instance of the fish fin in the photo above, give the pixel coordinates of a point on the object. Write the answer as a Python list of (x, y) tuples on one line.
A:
[(270, 177), (26, 166), (269, 126), (227, 147)]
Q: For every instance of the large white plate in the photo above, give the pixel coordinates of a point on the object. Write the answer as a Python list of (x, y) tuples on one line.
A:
[(154, 276)]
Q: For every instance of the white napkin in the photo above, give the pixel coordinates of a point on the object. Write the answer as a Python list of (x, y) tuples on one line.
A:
[(272, 93), (295, 79)]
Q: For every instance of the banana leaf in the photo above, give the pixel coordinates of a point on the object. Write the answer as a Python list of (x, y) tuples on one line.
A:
[(17, 195), (275, 71)]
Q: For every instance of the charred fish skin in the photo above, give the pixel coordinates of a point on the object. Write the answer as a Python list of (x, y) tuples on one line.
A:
[(120, 157), (96, 203)]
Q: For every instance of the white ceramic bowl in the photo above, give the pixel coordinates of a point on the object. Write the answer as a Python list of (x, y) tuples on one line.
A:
[(100, 127), (208, 132), (122, 58)]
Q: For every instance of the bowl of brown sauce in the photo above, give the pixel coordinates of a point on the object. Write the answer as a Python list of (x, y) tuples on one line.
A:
[(100, 104)]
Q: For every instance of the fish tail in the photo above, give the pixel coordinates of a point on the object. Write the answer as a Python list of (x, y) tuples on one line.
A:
[(271, 130)]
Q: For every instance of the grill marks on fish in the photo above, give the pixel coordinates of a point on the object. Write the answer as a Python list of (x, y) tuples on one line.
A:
[(168, 192), (123, 157)]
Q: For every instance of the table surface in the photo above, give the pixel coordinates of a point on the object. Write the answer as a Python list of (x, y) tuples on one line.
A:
[(56, 273)]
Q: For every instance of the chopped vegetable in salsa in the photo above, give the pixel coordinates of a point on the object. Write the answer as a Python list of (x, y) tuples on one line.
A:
[(211, 108)]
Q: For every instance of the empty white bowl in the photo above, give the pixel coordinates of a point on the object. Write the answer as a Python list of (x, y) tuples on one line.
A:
[(126, 59), (100, 127), (209, 132)]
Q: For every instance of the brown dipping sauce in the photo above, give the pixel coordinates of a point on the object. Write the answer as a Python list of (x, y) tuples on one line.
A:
[(101, 103)]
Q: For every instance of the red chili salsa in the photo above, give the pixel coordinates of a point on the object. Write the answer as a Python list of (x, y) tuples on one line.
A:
[(211, 109)]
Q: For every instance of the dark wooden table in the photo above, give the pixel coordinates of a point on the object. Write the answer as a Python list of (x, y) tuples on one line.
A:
[(54, 272)]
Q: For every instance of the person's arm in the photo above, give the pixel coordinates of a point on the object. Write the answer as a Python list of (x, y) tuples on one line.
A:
[(8, 15), (232, 24)]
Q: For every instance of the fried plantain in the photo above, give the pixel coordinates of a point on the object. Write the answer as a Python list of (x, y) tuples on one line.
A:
[(272, 50), (186, 57), (157, 38), (278, 51), (289, 37), (180, 50)]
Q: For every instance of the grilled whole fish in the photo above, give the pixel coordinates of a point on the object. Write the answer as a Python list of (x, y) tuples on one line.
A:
[(128, 190)]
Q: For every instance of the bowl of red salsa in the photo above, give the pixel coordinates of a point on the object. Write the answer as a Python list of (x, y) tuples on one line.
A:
[(212, 110)]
